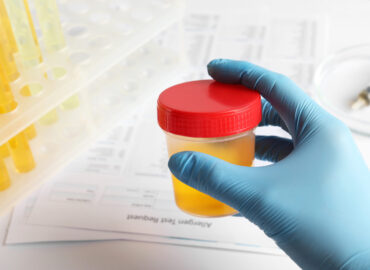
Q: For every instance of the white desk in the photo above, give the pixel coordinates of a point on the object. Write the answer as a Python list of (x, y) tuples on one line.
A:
[(138, 255)]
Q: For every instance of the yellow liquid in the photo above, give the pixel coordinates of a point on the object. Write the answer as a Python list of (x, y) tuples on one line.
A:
[(4, 177), (23, 31), (49, 118), (7, 102), (52, 116), (4, 151), (33, 30), (21, 153), (30, 132), (239, 150), (8, 45), (49, 21), (72, 103)]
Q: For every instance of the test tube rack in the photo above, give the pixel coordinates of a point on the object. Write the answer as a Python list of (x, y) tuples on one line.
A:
[(76, 77)]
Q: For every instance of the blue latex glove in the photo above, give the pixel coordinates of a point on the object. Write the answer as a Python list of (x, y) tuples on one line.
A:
[(315, 200)]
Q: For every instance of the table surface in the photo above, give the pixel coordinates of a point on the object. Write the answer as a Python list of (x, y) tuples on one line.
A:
[(349, 21)]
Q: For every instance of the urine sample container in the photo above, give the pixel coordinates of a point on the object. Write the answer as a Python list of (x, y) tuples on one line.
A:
[(214, 118)]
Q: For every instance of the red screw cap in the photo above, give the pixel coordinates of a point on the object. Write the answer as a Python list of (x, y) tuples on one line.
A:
[(207, 108)]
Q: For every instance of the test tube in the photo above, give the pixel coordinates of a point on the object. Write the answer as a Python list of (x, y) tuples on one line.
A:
[(26, 40), (72, 103), (22, 31), (52, 32), (8, 45), (8, 69), (48, 17), (50, 118), (4, 151), (34, 35), (30, 132), (4, 176), (7, 102), (21, 153)]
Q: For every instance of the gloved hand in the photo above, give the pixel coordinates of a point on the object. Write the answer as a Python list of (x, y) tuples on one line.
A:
[(315, 200)]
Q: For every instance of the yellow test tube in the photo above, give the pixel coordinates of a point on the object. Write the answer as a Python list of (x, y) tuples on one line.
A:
[(23, 33), (48, 17), (21, 153), (8, 69), (33, 30), (30, 132), (4, 176), (52, 32), (8, 45), (72, 103), (4, 151), (50, 118), (26, 40), (7, 102)]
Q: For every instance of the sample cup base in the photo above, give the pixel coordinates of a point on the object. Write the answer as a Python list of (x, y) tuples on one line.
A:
[(196, 203), (237, 149), (207, 214)]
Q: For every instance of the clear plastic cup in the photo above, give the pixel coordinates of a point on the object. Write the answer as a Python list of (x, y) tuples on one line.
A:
[(237, 149), (213, 118)]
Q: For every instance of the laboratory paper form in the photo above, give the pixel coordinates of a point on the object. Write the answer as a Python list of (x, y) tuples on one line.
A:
[(22, 232)]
